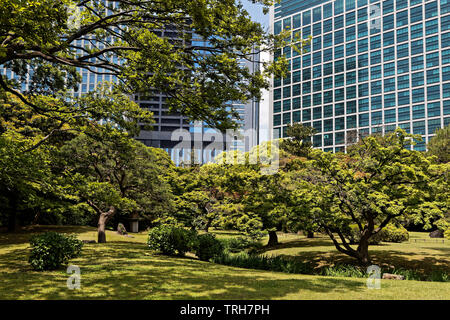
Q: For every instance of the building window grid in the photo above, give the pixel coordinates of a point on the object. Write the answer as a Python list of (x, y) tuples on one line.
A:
[(381, 64)]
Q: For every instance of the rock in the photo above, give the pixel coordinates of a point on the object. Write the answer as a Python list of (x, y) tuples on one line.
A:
[(121, 229), (89, 241), (391, 276), (436, 234)]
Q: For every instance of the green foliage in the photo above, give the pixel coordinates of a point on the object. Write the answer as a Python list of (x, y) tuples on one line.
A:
[(208, 247), (439, 145), (390, 233), (170, 240), (344, 270), (199, 80), (118, 175), (50, 250), (261, 262), (299, 141), (378, 182), (238, 244), (447, 233)]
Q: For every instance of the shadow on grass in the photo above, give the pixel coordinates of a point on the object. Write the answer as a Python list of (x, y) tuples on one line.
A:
[(24, 234), (122, 271)]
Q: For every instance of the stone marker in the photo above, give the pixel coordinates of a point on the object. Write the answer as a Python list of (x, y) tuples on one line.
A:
[(89, 241), (121, 229), (436, 234), (391, 276)]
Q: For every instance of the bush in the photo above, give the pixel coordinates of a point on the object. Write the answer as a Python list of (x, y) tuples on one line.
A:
[(171, 240), (261, 262), (50, 250), (208, 247), (344, 270), (447, 234), (390, 233), (239, 244)]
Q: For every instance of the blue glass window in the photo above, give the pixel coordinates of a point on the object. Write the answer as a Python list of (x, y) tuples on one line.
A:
[(390, 116), (417, 47), (388, 38), (402, 66), (363, 120), (418, 95), (418, 79), (389, 84), (418, 111), (419, 127), (404, 114), (416, 14), (402, 18), (403, 98), (362, 30), (431, 26), (388, 22), (434, 109), (389, 100)]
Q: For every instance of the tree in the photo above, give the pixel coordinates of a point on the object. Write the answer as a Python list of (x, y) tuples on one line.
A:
[(116, 175), (196, 194), (299, 141), (122, 39), (253, 201), (439, 145), (378, 182)]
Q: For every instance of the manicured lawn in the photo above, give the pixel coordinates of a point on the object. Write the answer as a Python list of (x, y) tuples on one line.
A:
[(421, 254), (125, 269)]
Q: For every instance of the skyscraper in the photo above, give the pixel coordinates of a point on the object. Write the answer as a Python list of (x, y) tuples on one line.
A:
[(371, 66)]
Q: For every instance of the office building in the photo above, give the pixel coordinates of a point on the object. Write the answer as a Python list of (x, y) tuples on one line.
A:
[(371, 66)]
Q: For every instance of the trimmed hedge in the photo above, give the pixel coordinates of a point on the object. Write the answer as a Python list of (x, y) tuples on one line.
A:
[(51, 250), (208, 247)]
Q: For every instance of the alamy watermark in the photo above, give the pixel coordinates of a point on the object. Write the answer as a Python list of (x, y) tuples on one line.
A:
[(227, 147), (74, 281), (374, 279)]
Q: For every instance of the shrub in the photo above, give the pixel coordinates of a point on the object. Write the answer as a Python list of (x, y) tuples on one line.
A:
[(344, 270), (447, 234), (239, 244), (50, 250), (261, 262), (390, 233), (171, 240), (208, 247)]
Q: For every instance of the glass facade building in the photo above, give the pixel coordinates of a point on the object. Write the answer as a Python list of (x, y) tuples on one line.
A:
[(371, 66)]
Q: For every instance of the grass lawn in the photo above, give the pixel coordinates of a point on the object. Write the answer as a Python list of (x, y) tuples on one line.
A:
[(125, 269)]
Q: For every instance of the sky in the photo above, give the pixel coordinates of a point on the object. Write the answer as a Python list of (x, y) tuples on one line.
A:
[(256, 12)]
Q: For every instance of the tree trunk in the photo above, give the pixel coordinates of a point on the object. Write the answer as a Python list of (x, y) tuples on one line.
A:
[(101, 228), (208, 225), (310, 234), (273, 238), (363, 252), (102, 220)]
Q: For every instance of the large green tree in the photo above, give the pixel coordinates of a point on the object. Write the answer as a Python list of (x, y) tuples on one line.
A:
[(378, 182), (196, 61), (439, 145), (115, 175)]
